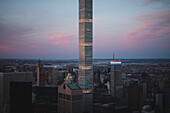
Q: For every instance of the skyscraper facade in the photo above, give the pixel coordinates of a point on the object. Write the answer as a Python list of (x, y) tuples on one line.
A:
[(115, 79), (116, 84), (40, 74), (86, 53)]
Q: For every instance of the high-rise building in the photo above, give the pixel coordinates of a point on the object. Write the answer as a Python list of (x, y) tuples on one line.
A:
[(20, 97), (69, 98), (40, 74), (5, 79), (96, 76), (45, 99), (115, 77), (55, 75), (134, 95), (86, 53), (116, 84)]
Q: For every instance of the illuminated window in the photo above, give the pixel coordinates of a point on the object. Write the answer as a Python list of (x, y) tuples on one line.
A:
[(86, 44), (85, 67), (87, 91), (85, 20)]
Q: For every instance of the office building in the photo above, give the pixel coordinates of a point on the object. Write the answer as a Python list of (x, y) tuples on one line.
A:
[(134, 96), (5, 79), (40, 74), (115, 77), (45, 99), (55, 75), (116, 84), (20, 97), (69, 98), (96, 76), (86, 53)]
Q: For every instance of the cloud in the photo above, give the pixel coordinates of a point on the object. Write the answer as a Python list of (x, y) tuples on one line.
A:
[(154, 26), (38, 28), (153, 16), (152, 37), (4, 47), (60, 38), (148, 2)]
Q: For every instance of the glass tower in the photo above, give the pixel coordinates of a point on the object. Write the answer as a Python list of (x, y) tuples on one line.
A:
[(86, 53)]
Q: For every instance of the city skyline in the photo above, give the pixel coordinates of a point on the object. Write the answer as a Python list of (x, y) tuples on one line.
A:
[(49, 30)]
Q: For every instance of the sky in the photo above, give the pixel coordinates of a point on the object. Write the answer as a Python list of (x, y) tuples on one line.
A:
[(48, 29)]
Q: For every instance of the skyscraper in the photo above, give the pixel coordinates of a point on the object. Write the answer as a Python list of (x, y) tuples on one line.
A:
[(86, 53), (116, 85), (20, 97), (40, 74), (115, 79)]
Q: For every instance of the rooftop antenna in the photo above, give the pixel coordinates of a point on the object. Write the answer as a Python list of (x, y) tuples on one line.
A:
[(113, 56)]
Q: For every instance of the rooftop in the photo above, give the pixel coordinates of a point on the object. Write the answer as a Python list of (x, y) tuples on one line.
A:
[(73, 86)]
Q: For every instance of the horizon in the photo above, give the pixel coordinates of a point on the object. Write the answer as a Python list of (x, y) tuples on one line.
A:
[(93, 59)]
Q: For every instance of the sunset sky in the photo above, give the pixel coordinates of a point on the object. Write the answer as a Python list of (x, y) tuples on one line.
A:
[(48, 29)]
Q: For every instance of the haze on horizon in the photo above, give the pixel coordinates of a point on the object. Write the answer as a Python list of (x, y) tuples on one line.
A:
[(48, 29)]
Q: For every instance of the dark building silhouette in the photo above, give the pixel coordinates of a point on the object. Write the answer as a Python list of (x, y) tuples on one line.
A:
[(134, 96), (45, 99), (20, 97), (5, 79)]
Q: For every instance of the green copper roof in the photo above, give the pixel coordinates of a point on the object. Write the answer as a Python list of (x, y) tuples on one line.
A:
[(73, 86)]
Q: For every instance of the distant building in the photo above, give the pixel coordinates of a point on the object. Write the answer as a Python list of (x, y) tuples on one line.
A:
[(55, 75), (50, 75), (40, 74), (69, 98), (115, 79), (134, 96), (69, 79), (116, 84), (96, 76), (5, 80), (159, 102), (20, 97), (167, 96)]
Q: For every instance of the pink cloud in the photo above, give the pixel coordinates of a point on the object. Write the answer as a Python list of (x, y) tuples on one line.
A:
[(153, 32), (4, 47), (37, 28), (147, 2), (60, 39), (150, 17), (157, 26)]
